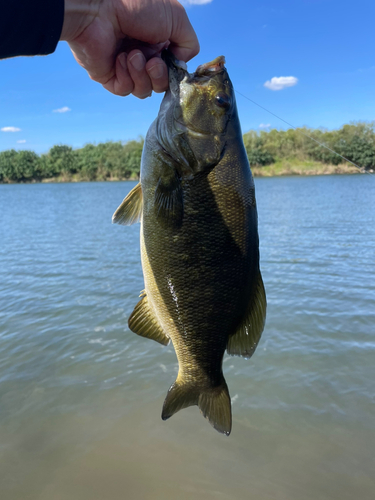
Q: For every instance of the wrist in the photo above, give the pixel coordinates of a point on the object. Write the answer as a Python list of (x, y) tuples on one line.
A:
[(78, 14)]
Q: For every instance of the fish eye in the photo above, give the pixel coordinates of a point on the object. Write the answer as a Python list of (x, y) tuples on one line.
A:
[(222, 100)]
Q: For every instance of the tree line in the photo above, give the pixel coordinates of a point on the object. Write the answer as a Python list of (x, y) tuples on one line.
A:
[(355, 141), (121, 161), (105, 161)]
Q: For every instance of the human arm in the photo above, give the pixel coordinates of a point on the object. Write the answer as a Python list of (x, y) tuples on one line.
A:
[(29, 28)]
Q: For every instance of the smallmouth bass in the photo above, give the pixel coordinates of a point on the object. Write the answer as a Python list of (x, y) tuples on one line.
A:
[(199, 238)]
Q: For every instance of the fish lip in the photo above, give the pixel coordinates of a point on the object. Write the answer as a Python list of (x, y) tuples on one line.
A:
[(211, 68), (172, 62), (177, 72)]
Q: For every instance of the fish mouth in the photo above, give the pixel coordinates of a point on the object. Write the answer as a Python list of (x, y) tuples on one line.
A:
[(211, 68), (179, 69)]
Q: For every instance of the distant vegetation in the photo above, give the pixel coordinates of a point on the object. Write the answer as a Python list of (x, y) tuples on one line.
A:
[(356, 142), (106, 161), (271, 153)]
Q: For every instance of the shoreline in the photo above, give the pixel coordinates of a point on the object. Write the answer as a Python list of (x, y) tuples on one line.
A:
[(304, 168), (279, 169)]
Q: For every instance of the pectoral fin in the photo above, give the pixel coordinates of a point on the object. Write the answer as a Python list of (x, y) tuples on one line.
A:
[(130, 210), (245, 340), (168, 201), (143, 322)]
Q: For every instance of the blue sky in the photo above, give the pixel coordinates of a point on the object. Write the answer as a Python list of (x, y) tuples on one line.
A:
[(325, 47)]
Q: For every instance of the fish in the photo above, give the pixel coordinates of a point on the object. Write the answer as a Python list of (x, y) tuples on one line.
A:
[(199, 238)]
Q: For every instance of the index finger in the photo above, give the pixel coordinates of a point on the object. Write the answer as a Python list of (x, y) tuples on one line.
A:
[(184, 41)]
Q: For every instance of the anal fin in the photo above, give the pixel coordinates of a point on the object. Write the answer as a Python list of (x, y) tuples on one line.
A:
[(130, 210), (143, 322), (245, 340)]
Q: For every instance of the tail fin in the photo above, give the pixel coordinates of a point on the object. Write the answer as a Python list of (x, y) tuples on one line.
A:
[(213, 402), (215, 405)]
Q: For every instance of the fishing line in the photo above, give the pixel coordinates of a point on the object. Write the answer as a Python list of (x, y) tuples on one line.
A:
[(362, 169)]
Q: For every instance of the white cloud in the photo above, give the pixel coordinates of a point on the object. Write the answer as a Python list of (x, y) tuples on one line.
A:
[(62, 110), (194, 2), (264, 125), (281, 82), (22, 141), (10, 129)]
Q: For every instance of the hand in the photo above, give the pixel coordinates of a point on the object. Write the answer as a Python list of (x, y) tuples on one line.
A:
[(119, 42)]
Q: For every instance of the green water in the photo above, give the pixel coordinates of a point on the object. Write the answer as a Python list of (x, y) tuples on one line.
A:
[(81, 395)]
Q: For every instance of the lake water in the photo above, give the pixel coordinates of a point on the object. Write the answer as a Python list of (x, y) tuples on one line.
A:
[(81, 395)]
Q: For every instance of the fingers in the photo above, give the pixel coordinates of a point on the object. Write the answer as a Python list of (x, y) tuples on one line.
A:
[(158, 73), (145, 27), (138, 73), (147, 76), (133, 75), (121, 83)]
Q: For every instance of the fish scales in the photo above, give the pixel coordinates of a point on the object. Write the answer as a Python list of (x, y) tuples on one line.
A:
[(211, 304), (199, 243)]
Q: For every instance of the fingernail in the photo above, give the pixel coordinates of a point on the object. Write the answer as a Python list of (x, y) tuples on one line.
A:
[(122, 60), (145, 96), (138, 61), (156, 71)]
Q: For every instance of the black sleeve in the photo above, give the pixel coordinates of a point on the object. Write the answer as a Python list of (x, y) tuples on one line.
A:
[(30, 27)]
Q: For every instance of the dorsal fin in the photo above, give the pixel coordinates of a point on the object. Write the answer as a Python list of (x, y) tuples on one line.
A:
[(130, 210), (245, 340), (143, 322)]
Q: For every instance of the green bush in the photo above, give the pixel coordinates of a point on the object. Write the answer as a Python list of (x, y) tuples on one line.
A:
[(118, 160), (355, 141), (18, 166), (108, 160)]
